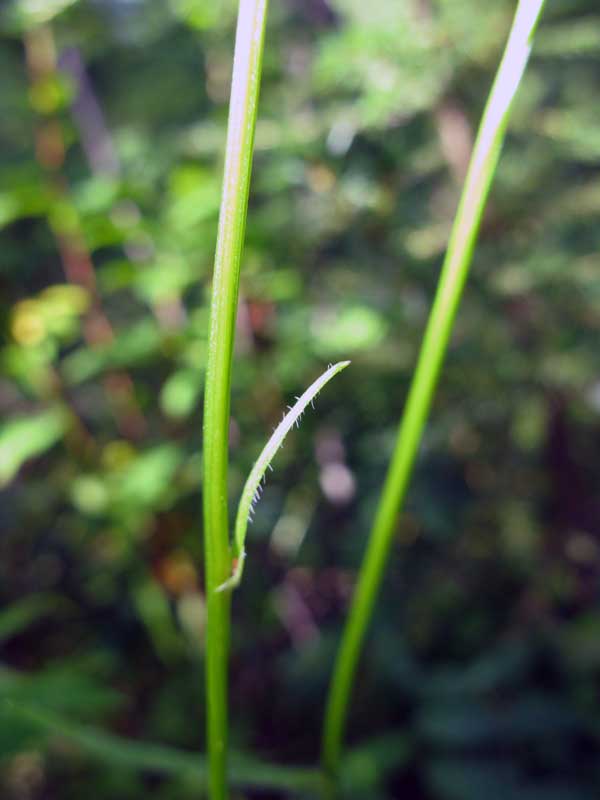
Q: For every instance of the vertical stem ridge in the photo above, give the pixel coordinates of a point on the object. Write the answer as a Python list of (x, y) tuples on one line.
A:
[(232, 220), (450, 286)]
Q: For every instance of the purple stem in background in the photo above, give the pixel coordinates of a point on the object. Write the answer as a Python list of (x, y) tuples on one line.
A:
[(87, 114)]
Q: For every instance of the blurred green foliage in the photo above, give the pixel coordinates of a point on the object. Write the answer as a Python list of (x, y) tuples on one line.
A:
[(481, 674)]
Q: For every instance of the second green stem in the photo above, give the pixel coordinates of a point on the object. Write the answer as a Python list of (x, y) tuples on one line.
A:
[(451, 283)]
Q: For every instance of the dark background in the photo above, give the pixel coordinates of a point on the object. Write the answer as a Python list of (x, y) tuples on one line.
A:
[(481, 671)]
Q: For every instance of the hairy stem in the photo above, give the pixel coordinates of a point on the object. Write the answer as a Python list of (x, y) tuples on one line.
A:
[(232, 221), (450, 286)]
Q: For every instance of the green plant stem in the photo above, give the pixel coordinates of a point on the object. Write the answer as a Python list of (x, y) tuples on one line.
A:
[(451, 283), (232, 221)]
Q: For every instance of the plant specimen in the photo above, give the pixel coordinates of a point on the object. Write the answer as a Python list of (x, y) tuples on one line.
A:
[(224, 564), (439, 327), (232, 223), (226, 548), (253, 486)]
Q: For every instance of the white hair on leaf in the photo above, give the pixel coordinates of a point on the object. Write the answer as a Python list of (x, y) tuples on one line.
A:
[(251, 493)]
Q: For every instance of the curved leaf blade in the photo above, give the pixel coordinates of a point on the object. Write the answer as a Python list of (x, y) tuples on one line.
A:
[(253, 486)]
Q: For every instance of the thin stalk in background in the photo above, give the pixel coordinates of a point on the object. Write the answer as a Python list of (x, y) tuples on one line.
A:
[(450, 286), (232, 222)]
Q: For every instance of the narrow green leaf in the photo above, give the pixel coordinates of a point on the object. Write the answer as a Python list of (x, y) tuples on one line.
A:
[(455, 269), (135, 755), (17, 617), (252, 489)]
